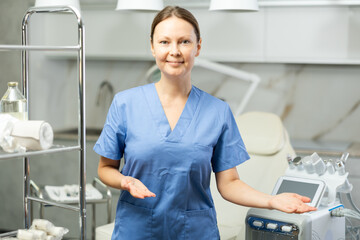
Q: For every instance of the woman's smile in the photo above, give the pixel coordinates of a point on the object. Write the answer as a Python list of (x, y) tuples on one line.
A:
[(174, 63)]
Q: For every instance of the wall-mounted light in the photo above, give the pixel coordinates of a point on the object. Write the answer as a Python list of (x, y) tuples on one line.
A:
[(234, 5), (142, 5), (52, 3)]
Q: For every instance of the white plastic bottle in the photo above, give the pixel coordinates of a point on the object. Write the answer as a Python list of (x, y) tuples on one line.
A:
[(14, 103)]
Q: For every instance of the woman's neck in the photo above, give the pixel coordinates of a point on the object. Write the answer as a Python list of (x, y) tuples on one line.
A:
[(174, 87)]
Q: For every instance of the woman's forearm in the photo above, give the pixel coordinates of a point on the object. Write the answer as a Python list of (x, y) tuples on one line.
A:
[(110, 176), (234, 190), (238, 192), (108, 172)]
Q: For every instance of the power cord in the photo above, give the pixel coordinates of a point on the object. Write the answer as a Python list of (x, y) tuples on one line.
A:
[(354, 232), (349, 196), (344, 212)]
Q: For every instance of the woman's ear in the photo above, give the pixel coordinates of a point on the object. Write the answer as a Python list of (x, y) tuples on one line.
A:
[(152, 48), (198, 47)]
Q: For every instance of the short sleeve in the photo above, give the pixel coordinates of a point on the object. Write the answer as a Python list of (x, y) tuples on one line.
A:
[(111, 142), (229, 150)]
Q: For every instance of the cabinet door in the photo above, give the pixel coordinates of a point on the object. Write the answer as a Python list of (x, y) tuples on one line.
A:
[(311, 33), (109, 34), (118, 34), (231, 36)]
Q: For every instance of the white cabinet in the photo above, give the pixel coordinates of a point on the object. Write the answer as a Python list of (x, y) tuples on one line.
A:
[(285, 34), (109, 34), (231, 36), (325, 34), (311, 34)]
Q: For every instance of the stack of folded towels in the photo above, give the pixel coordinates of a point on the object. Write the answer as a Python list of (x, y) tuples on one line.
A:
[(41, 229), (70, 193)]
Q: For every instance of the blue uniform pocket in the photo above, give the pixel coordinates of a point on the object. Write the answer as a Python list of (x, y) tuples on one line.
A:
[(201, 224), (132, 222)]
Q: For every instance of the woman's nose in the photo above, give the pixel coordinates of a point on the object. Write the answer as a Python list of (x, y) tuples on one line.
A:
[(174, 51)]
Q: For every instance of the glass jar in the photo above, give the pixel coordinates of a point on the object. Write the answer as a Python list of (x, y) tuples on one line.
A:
[(13, 102)]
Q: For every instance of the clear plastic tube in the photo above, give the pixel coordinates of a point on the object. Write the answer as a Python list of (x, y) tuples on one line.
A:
[(349, 196)]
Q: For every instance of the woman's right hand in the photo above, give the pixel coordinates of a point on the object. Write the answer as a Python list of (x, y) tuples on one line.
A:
[(135, 187), (108, 171)]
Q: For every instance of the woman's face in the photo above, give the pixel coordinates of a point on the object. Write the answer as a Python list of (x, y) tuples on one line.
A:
[(175, 47)]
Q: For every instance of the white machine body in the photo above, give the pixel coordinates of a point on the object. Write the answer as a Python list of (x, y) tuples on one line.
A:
[(312, 178), (263, 224)]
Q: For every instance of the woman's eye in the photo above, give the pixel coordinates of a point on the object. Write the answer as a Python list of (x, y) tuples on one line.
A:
[(163, 42), (185, 42)]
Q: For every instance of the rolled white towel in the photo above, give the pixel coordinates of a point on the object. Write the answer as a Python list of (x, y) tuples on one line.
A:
[(24, 234), (42, 224), (49, 237), (38, 234), (33, 135), (58, 232)]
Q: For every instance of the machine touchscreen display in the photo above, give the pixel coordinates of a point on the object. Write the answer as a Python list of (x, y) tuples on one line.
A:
[(302, 188), (312, 188)]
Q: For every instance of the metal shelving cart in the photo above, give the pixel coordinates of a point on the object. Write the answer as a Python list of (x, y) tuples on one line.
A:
[(81, 146)]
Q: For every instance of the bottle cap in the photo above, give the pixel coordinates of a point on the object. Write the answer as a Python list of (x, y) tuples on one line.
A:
[(12, 84)]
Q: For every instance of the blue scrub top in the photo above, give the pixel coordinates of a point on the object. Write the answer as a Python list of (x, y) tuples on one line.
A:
[(175, 165)]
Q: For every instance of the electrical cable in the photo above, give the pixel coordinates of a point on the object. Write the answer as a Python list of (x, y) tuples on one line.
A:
[(344, 212), (348, 213), (349, 196), (350, 228)]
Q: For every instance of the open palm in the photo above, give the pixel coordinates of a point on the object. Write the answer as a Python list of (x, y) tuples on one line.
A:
[(136, 188)]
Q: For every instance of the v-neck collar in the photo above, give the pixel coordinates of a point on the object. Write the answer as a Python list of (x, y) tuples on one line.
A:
[(160, 118)]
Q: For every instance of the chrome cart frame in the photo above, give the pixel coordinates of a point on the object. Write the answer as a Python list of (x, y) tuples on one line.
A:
[(81, 147)]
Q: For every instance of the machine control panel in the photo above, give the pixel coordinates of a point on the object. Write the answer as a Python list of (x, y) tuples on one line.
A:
[(269, 225)]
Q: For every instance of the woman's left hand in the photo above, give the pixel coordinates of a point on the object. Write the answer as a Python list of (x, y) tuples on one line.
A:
[(290, 203)]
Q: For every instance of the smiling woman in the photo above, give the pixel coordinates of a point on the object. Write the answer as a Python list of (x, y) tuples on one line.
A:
[(172, 135)]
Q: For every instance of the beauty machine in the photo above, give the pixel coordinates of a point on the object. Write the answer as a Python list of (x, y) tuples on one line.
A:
[(320, 180)]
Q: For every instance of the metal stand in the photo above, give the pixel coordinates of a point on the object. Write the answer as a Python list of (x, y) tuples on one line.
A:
[(40, 192), (80, 49)]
